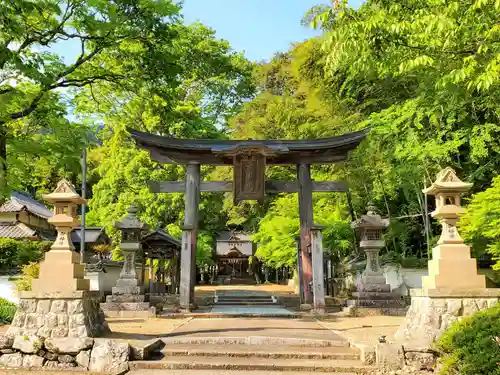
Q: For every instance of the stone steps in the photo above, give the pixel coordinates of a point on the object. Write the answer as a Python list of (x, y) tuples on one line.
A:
[(244, 300), (191, 362), (224, 372), (261, 351)]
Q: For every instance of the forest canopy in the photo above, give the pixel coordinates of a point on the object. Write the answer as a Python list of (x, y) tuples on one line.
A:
[(423, 75)]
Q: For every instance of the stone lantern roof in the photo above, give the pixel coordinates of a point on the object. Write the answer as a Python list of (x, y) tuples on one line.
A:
[(64, 193), (371, 220), (131, 221), (447, 182)]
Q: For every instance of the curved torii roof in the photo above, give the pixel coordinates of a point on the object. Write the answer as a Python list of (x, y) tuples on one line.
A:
[(220, 152)]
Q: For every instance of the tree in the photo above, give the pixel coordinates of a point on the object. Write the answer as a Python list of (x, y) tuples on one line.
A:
[(32, 77), (208, 84), (426, 73), (480, 226)]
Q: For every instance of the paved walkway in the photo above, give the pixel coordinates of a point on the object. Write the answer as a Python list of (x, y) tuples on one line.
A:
[(240, 327)]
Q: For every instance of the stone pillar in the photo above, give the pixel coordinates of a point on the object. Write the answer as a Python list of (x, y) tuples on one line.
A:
[(189, 231), (453, 287), (60, 304), (127, 299), (306, 222), (317, 264)]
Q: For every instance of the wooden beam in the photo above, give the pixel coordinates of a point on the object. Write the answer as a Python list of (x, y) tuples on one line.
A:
[(272, 186)]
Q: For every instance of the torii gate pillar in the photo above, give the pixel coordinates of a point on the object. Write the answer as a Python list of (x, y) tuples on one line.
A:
[(189, 231)]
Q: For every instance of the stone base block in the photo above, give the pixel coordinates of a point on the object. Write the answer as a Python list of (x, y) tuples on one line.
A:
[(127, 306), (368, 279), (378, 288), (373, 295), (75, 314), (375, 302), (140, 314), (356, 311), (125, 298), (116, 290), (429, 316), (128, 282)]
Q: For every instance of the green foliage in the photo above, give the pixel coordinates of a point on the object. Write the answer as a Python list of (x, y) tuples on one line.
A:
[(276, 237), (481, 223), (29, 272), (472, 345), (16, 253), (7, 311)]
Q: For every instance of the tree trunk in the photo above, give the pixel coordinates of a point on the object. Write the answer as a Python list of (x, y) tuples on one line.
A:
[(3, 160)]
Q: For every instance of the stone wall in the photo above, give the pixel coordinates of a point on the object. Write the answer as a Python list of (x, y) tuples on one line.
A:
[(429, 316), (75, 354), (74, 314)]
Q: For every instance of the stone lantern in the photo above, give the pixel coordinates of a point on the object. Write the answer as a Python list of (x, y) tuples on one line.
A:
[(126, 299), (372, 291), (451, 266), (62, 259), (60, 304), (371, 227), (132, 229), (453, 288)]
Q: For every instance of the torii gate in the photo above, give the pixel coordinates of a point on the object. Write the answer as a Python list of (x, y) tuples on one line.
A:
[(249, 159)]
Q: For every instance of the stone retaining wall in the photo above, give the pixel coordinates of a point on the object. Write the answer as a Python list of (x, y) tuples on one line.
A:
[(72, 315), (74, 354), (429, 316)]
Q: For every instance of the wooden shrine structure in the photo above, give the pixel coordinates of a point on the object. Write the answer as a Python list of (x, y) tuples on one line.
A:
[(249, 159), (161, 246)]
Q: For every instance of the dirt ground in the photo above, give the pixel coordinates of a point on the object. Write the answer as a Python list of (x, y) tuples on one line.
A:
[(141, 329), (365, 330)]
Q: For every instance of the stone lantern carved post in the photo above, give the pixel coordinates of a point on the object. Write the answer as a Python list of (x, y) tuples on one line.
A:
[(126, 299), (373, 291), (60, 303), (453, 288)]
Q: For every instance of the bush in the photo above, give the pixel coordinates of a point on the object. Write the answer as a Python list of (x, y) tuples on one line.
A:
[(15, 254), (29, 272), (472, 345), (7, 311)]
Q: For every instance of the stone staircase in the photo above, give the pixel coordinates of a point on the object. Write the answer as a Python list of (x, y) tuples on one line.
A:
[(242, 358), (244, 300)]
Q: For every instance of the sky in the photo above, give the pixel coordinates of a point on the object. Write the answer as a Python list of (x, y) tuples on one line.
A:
[(259, 28)]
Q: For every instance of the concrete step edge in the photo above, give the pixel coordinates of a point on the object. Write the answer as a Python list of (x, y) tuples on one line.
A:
[(226, 372), (256, 340), (348, 355), (201, 363)]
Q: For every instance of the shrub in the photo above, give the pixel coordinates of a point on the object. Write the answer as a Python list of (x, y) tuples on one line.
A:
[(7, 311), (472, 345), (15, 253), (29, 272)]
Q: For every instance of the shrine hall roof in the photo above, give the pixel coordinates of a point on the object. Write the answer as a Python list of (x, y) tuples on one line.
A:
[(216, 151)]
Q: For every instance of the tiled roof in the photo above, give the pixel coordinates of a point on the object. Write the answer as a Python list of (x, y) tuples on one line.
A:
[(163, 235), (16, 229), (21, 201), (92, 234), (234, 236)]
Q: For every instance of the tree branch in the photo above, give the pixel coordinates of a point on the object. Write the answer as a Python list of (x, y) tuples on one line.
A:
[(36, 100)]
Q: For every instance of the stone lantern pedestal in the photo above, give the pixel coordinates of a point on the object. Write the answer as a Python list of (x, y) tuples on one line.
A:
[(127, 299), (60, 303), (373, 294), (453, 288)]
